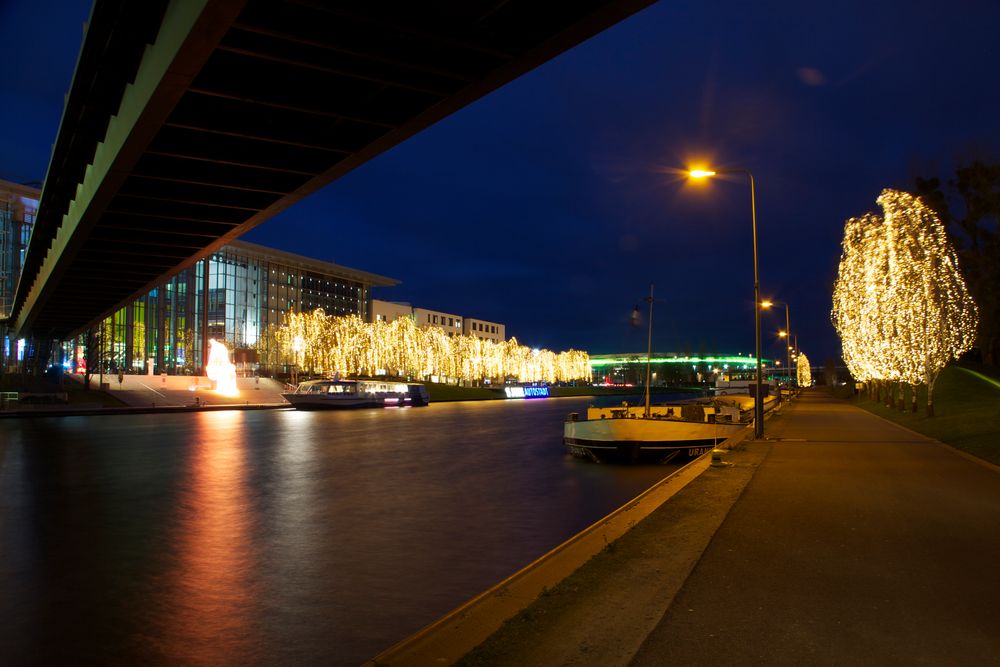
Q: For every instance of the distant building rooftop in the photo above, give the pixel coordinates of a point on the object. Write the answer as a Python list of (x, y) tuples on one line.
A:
[(309, 263)]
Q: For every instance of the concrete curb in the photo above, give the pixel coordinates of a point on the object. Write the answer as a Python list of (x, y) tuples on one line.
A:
[(458, 632)]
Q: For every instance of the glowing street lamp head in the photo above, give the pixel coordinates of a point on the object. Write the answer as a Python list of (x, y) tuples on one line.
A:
[(701, 173), (766, 304), (782, 334)]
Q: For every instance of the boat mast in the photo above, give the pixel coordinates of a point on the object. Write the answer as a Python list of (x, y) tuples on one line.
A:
[(649, 347)]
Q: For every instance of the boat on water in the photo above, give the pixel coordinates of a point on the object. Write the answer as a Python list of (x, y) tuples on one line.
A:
[(658, 433), (346, 394)]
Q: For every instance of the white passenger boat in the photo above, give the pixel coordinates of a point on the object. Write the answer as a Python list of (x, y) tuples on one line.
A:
[(658, 433), (343, 394)]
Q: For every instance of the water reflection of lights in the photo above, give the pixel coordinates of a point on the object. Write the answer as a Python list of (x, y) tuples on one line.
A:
[(281, 537), (211, 581)]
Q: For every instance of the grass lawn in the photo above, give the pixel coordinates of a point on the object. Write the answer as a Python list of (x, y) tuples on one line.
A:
[(449, 392), (966, 411), (71, 386), (76, 395)]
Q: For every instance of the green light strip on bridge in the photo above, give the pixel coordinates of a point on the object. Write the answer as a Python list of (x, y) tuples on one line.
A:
[(622, 361)]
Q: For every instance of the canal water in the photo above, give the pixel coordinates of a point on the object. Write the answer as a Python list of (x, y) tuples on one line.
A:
[(277, 537)]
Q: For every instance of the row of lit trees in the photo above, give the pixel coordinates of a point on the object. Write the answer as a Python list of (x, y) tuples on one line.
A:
[(900, 304), (317, 343)]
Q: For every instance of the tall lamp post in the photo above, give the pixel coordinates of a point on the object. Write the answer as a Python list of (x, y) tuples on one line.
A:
[(786, 334), (796, 354), (649, 342), (758, 404)]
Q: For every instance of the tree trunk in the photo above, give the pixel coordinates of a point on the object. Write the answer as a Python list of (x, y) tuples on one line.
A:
[(900, 404), (930, 395), (913, 398)]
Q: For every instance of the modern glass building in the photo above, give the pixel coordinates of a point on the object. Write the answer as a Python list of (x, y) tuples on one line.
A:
[(232, 296), (18, 206)]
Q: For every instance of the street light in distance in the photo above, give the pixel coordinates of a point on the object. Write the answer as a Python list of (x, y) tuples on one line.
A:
[(787, 333), (758, 404)]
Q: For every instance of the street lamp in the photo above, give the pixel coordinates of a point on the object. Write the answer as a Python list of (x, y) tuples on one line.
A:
[(786, 334), (758, 404)]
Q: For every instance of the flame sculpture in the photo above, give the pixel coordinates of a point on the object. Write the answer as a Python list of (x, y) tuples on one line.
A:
[(221, 370)]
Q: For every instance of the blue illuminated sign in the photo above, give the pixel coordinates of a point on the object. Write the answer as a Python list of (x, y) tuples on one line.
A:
[(527, 392)]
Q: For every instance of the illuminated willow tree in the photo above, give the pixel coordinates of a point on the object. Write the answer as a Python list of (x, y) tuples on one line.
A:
[(804, 371), (900, 304), (319, 343)]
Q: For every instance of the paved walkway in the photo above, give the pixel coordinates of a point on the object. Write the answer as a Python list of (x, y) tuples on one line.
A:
[(856, 542), (844, 539)]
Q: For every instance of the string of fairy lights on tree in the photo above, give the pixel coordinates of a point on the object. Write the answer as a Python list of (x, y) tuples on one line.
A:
[(900, 303), (319, 343), (804, 372)]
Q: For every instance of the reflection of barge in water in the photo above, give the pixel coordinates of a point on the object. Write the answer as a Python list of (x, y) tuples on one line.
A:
[(629, 434), (345, 394)]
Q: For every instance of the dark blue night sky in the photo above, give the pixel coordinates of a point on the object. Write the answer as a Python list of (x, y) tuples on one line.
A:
[(551, 204)]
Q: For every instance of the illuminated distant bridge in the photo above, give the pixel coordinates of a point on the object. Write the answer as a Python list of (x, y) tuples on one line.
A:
[(188, 122), (619, 368)]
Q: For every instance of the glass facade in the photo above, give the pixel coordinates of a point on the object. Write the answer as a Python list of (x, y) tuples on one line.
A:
[(18, 206), (232, 296)]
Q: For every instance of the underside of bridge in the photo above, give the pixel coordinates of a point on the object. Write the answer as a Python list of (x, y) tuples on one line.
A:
[(189, 122)]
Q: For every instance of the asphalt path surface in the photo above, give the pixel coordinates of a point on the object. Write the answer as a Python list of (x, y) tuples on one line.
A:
[(856, 542)]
